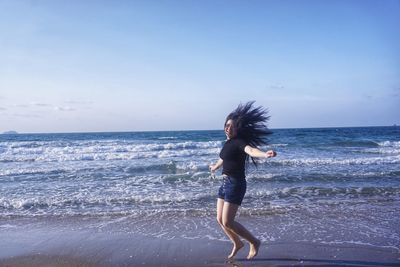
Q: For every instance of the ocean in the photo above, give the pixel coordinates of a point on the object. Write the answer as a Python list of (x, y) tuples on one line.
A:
[(327, 185)]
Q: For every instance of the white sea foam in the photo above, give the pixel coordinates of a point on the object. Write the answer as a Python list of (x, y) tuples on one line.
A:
[(390, 144), (105, 150), (8, 226), (336, 161), (122, 197)]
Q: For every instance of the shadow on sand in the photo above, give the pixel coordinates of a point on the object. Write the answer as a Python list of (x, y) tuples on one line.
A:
[(282, 262)]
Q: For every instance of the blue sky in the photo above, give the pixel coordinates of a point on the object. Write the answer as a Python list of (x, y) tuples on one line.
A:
[(73, 66)]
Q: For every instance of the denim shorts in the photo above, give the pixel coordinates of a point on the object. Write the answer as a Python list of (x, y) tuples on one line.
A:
[(232, 190)]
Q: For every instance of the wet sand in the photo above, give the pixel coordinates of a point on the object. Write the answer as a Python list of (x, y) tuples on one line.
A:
[(52, 246)]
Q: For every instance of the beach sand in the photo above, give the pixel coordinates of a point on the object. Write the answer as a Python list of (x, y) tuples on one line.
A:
[(55, 245)]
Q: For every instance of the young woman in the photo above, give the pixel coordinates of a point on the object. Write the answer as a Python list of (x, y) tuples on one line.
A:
[(245, 129)]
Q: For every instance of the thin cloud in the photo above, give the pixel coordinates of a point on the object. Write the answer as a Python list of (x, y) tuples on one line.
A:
[(36, 104), (1, 108), (396, 92), (276, 87), (44, 105), (78, 102), (24, 115), (20, 105), (64, 108), (368, 96)]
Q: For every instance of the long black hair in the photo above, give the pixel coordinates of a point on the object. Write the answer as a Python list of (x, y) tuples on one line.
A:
[(250, 124)]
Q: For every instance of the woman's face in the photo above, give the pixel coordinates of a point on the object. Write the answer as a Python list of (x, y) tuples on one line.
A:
[(229, 129)]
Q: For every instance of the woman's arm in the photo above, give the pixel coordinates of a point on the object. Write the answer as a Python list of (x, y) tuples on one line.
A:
[(256, 153), (216, 166)]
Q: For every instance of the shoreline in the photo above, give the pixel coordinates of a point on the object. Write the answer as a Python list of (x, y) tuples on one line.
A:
[(195, 253), (52, 245)]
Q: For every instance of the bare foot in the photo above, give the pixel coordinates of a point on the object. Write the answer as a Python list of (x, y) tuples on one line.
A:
[(235, 249), (254, 249)]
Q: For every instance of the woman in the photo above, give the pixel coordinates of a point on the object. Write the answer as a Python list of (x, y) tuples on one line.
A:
[(245, 130)]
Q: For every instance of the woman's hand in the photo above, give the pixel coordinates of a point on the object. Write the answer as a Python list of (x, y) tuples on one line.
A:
[(212, 167), (257, 153), (270, 154)]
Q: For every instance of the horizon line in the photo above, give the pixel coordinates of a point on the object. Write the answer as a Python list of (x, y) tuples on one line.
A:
[(190, 130)]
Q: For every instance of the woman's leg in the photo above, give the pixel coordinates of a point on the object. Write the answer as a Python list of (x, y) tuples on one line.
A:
[(237, 243), (229, 211)]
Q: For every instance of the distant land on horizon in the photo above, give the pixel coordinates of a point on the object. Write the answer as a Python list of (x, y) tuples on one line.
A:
[(10, 132)]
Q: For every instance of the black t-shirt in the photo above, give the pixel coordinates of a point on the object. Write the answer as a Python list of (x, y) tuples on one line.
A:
[(234, 158)]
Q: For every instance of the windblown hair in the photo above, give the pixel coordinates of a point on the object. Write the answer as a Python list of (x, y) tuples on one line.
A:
[(250, 124)]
